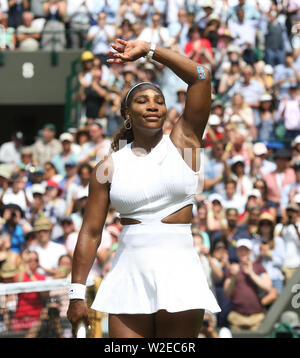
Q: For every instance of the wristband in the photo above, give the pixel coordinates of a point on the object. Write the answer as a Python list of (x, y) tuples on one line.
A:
[(77, 291), (210, 214), (151, 51)]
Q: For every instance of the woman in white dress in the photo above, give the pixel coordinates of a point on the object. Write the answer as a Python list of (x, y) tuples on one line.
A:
[(156, 286)]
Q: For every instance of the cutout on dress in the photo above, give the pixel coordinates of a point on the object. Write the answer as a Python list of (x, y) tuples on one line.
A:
[(175, 214)]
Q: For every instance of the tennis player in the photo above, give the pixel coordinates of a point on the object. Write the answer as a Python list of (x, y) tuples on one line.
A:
[(156, 286)]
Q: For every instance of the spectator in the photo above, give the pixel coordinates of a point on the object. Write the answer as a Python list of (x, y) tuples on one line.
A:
[(48, 146), (15, 10), (50, 172), (208, 328), (156, 32), (25, 162), (110, 7), (125, 31), (280, 177), (244, 32), (208, 8), (130, 10), (211, 266), (79, 13), (269, 250), (68, 228), (101, 35), (30, 303), (244, 184), (291, 190), (149, 8), (15, 194), (79, 189), (260, 165), (97, 148), (275, 51), (220, 252), (266, 204), (241, 115), (216, 213), (86, 60), (48, 251), (211, 29), (10, 151), (286, 74), (28, 34), (53, 37), (7, 33), (290, 234), (199, 49), (216, 170), (250, 89), (178, 30), (243, 280), (231, 232), (289, 112), (214, 132), (231, 74), (232, 199), (265, 119), (55, 206), (67, 154)]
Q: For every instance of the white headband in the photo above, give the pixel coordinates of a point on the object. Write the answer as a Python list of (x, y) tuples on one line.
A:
[(132, 88)]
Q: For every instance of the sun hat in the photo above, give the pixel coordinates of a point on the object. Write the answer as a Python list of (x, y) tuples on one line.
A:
[(42, 223), (245, 243)]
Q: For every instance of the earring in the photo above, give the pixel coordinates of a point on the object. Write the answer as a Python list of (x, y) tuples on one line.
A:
[(127, 124)]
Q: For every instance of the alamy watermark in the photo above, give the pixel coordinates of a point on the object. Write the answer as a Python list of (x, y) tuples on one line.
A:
[(296, 298), (104, 172)]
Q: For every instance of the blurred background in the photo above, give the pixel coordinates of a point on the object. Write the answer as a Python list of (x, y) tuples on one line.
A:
[(60, 110)]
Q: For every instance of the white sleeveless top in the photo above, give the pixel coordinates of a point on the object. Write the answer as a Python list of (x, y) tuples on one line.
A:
[(150, 188)]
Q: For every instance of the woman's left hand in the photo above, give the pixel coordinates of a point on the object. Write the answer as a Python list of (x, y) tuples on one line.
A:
[(127, 51)]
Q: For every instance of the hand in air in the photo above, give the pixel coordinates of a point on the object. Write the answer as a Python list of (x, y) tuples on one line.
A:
[(127, 51)]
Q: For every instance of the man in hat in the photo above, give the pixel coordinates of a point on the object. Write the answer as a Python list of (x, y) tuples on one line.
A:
[(48, 251), (260, 165), (242, 284), (45, 148), (67, 154), (280, 177), (290, 232), (10, 152)]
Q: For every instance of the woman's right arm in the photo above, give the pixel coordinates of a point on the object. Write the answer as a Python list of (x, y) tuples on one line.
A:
[(89, 237)]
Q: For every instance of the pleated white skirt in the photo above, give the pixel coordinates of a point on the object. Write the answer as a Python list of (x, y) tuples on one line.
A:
[(155, 268)]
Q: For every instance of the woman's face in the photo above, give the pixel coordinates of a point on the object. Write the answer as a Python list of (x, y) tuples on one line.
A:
[(147, 110)]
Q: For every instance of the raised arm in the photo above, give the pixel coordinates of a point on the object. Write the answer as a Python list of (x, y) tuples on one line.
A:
[(189, 129)]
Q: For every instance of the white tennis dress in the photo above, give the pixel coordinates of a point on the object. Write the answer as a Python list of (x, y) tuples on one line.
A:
[(155, 266)]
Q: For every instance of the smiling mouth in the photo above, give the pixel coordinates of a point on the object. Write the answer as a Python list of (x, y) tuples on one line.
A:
[(152, 118)]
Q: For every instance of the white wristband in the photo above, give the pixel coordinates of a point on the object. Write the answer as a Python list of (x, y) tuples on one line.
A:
[(151, 51), (77, 291)]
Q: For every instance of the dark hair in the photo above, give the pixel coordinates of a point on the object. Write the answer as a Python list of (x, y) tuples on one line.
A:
[(230, 209), (265, 193), (230, 181), (84, 166), (66, 255), (127, 134), (52, 165)]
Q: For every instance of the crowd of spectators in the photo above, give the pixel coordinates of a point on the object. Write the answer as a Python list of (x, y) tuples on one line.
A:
[(246, 224)]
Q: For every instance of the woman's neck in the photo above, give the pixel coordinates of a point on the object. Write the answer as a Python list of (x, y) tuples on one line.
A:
[(146, 141)]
